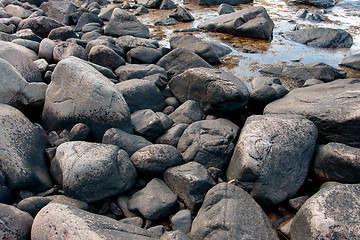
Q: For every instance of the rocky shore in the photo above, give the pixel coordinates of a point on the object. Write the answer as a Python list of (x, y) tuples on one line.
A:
[(107, 134)]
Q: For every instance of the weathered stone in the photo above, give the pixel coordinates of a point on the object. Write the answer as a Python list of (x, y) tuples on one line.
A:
[(352, 61), (63, 50), (33, 205), (225, 8), (272, 156), (266, 90), (143, 55), (59, 10), (85, 19), (46, 49), (172, 136), (174, 235), (17, 11), (218, 2), (105, 13), (128, 42), (138, 71), (182, 15), (317, 3), (106, 57), (166, 22), (188, 112), (182, 221), (15, 224), (39, 25), (62, 33), (167, 4)]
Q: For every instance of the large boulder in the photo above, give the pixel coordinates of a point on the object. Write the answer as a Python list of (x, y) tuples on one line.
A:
[(60, 221), (321, 37), (139, 71), (317, 3), (123, 23), (300, 74), (265, 90), (272, 156), (15, 224), (17, 11), (209, 142), (188, 112), (200, 47), (352, 61), (79, 93), (63, 50), (128, 42), (229, 212), (143, 55), (59, 10), (155, 201), (337, 162), (92, 171), (16, 91), (22, 152), (105, 56), (216, 91), (333, 107), (332, 213), (39, 25), (253, 22)]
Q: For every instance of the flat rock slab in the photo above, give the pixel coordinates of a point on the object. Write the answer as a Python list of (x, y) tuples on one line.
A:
[(60, 221), (352, 61), (321, 37), (229, 212), (251, 22), (333, 107), (272, 156), (331, 213)]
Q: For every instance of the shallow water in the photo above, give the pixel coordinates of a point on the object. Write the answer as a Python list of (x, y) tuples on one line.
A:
[(250, 55)]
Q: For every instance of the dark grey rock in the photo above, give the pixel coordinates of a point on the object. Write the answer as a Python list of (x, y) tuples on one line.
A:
[(321, 37), (88, 97), (172, 101), (149, 124), (27, 34), (174, 235), (333, 107), (136, 221), (182, 221), (141, 10), (317, 3), (155, 201), (106, 57), (39, 25), (151, 97), (92, 171), (172, 136), (265, 90), (225, 8), (301, 73), (59, 10), (150, 3), (143, 55), (129, 42), (218, 2), (64, 50), (138, 71), (329, 214), (105, 13), (42, 65), (154, 160), (62, 33), (190, 182), (124, 23), (23, 152), (89, 27), (128, 142), (46, 49), (166, 22), (5, 194), (337, 162), (352, 61), (15, 224), (89, 36), (33, 205), (253, 22), (32, 45), (188, 112), (167, 4), (7, 28), (216, 91), (272, 156), (311, 82), (79, 132), (229, 212), (209, 142), (179, 60), (157, 230), (108, 42), (200, 47), (85, 19), (60, 221), (181, 14)]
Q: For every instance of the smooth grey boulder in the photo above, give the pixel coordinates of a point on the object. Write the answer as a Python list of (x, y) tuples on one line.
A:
[(155, 201), (333, 107), (311, 82), (305, 14), (27, 34), (190, 182), (105, 13), (272, 156), (154, 160), (321, 37), (22, 152), (209, 142), (87, 97), (138, 71), (150, 3), (182, 221), (151, 97), (46, 49), (92, 171), (225, 8), (169, 21), (60, 221), (17, 11), (140, 10), (9, 45), (218, 2), (200, 47), (16, 91), (106, 57), (30, 44), (129, 42), (62, 33), (63, 50), (172, 136), (15, 224), (217, 92), (266, 89), (143, 55), (149, 124), (59, 10), (105, 41), (188, 112), (89, 36), (123, 23), (40, 25), (85, 19), (317, 3), (352, 61), (181, 14), (128, 142), (167, 4), (33, 205), (253, 22), (229, 212), (331, 213), (320, 71), (337, 162), (179, 60)]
